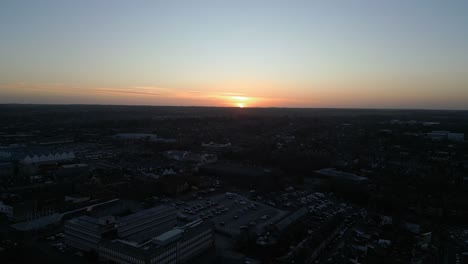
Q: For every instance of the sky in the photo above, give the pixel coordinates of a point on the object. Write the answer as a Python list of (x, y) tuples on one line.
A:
[(245, 53)]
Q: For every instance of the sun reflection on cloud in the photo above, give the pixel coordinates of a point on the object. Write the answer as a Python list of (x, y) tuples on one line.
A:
[(138, 95), (240, 98)]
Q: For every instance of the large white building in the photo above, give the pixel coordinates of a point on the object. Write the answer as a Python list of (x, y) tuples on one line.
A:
[(146, 237), (178, 245), (86, 232), (148, 222)]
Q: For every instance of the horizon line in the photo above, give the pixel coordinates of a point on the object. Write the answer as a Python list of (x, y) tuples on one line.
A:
[(234, 107)]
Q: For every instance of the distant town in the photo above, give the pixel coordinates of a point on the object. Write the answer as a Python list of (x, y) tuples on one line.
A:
[(145, 185)]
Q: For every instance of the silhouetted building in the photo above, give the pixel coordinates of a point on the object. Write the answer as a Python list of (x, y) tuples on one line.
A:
[(177, 245), (33, 155), (148, 222), (86, 232)]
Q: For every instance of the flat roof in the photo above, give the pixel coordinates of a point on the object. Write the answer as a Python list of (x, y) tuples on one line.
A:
[(151, 211), (168, 237), (134, 135), (235, 169), (38, 223), (332, 172), (69, 166), (96, 224)]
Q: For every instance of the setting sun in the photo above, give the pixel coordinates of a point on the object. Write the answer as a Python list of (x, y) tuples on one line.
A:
[(239, 101)]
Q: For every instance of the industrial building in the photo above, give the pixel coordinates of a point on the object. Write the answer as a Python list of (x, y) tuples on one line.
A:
[(145, 223), (86, 232), (174, 246)]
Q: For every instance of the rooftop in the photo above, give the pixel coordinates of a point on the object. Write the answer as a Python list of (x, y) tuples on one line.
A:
[(95, 224), (136, 136), (38, 223), (71, 166), (332, 172), (156, 243), (148, 212), (168, 237)]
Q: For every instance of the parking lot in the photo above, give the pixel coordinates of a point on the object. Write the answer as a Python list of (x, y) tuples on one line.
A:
[(231, 212)]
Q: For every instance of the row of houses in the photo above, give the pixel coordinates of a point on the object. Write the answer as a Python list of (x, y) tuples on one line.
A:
[(35, 155)]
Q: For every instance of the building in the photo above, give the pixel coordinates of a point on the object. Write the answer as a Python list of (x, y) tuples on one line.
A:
[(346, 183), (72, 170), (197, 236), (147, 222), (216, 145), (129, 137), (86, 232), (6, 210), (177, 245), (25, 210), (33, 154), (341, 176), (446, 135), (290, 220), (41, 223), (147, 236), (456, 136), (200, 158), (56, 219), (438, 135)]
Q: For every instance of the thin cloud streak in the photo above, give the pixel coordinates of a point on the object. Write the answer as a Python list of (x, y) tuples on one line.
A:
[(140, 95)]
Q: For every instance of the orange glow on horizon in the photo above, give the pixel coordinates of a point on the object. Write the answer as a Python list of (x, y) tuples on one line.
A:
[(371, 94), (239, 101)]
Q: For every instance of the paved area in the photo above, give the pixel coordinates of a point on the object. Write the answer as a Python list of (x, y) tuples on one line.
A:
[(230, 212)]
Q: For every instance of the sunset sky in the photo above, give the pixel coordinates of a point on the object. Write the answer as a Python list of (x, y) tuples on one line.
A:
[(252, 53)]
